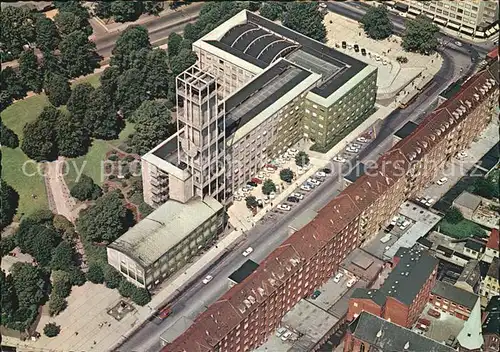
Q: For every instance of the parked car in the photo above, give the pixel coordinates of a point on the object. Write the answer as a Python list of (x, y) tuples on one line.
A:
[(284, 207), (337, 277), (434, 313), (207, 279), (361, 139), (462, 155), (355, 145), (323, 5), (260, 203), (247, 251), (256, 180), (442, 181), (297, 195), (305, 187), (280, 331), (339, 159), (457, 43), (316, 294), (394, 220), (313, 181), (292, 151), (252, 184), (352, 150), (351, 282), (327, 170), (272, 195), (320, 174), (292, 199)]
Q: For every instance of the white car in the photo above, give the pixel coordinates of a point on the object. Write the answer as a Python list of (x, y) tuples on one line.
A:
[(355, 145), (286, 335), (272, 195), (292, 151), (306, 188), (352, 150), (261, 175), (394, 220), (462, 155), (313, 181), (284, 207), (442, 181), (207, 279), (323, 5), (351, 282), (361, 139), (339, 159), (320, 174), (457, 43), (247, 251), (297, 195), (337, 277)]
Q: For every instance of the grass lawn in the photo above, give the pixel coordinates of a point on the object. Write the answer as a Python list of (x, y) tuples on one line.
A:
[(15, 117), (462, 229), (91, 162), (12, 173)]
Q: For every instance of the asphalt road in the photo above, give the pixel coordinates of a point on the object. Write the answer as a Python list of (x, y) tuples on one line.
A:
[(158, 28), (274, 228)]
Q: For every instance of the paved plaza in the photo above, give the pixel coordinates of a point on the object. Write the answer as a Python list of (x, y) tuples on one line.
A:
[(393, 77)]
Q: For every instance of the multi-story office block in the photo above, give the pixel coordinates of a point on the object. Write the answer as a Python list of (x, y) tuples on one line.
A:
[(246, 44), (165, 240), (478, 18), (251, 310)]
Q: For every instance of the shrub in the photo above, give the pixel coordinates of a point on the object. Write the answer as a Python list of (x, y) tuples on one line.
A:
[(301, 159), (140, 296), (251, 202), (61, 288), (51, 329), (95, 274), (112, 277), (126, 288), (76, 276), (453, 215), (56, 304), (286, 175), (113, 157), (268, 187)]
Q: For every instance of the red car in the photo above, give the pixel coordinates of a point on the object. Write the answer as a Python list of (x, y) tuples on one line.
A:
[(257, 180), (165, 312), (434, 313), (424, 321)]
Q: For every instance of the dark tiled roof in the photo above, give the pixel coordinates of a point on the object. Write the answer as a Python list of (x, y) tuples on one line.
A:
[(491, 324), (243, 271), (494, 266), (389, 337), (372, 294), (455, 294), (406, 130), (409, 276), (474, 245)]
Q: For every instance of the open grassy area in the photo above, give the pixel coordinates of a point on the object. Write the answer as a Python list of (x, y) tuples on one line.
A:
[(15, 117), (462, 229)]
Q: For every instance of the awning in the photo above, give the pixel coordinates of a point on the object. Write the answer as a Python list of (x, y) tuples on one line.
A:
[(439, 20), (453, 25), (466, 30)]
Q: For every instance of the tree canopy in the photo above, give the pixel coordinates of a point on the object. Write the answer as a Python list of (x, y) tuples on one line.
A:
[(305, 18), (376, 22), (80, 100), (101, 119), (63, 256), (58, 89), (174, 43), (156, 74), (268, 186), (8, 138), (104, 221), (47, 35), (9, 199), (11, 84), (301, 159), (130, 91), (30, 72), (286, 175), (124, 11), (486, 188), (78, 54), (95, 274), (39, 142), (182, 61), (131, 40), (71, 137), (153, 125), (272, 10), (420, 35), (17, 28), (29, 283), (85, 189)]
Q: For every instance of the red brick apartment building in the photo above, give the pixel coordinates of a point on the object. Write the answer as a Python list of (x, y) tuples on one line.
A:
[(243, 317), (404, 293), (453, 300)]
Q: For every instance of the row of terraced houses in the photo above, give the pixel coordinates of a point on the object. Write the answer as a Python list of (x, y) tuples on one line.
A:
[(245, 316)]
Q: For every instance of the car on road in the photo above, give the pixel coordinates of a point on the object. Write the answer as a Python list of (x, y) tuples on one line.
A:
[(207, 279), (327, 170), (355, 145), (305, 187), (457, 43), (362, 139), (337, 277), (297, 195), (351, 282), (320, 174), (284, 207), (352, 150), (442, 181), (339, 159), (292, 199), (247, 251), (313, 181)]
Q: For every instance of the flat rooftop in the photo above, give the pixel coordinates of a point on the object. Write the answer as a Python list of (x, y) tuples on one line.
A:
[(261, 92), (406, 130), (164, 228), (168, 150), (363, 264), (243, 271), (358, 171), (262, 42)]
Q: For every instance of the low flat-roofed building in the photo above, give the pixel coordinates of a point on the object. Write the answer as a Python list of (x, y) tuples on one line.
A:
[(467, 203), (363, 265), (369, 333), (452, 299), (309, 326), (165, 240), (242, 272)]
